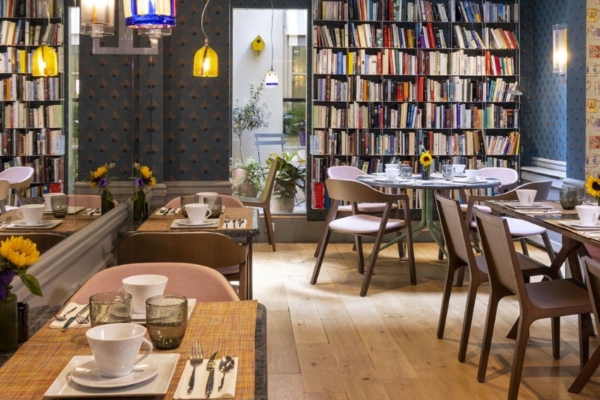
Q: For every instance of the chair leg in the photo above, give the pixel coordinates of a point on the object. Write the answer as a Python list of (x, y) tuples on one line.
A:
[(360, 256), (460, 277), (585, 330), (548, 245), (586, 373), (524, 246), (369, 273), (269, 226), (487, 335), (412, 269), (446, 299), (555, 323), (468, 319), (322, 249), (519, 357)]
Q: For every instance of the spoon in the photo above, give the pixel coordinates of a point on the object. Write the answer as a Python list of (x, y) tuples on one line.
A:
[(63, 317), (226, 365)]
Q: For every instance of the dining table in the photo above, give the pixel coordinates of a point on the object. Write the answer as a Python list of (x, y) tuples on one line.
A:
[(76, 219), (237, 328), (426, 203)]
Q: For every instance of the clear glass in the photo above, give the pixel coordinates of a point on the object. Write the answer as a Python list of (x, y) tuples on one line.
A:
[(166, 320), (110, 308), (448, 172), (570, 197), (60, 206), (406, 172)]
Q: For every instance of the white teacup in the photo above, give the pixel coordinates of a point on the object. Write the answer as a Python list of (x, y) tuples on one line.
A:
[(31, 213), (526, 196), (141, 287), (459, 169), (588, 215), (471, 174), (116, 346), (391, 173), (197, 212), (391, 166), (48, 199)]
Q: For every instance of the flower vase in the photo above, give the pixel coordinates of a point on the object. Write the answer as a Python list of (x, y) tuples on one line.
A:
[(106, 201), (425, 174), (139, 203), (9, 329)]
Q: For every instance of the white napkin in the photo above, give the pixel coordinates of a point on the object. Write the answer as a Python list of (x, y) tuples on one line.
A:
[(59, 324), (199, 392)]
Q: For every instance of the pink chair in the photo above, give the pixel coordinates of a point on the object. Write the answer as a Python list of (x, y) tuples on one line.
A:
[(191, 280), (18, 178), (228, 201), (87, 200)]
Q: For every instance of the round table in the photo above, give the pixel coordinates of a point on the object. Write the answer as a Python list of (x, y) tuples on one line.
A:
[(427, 187)]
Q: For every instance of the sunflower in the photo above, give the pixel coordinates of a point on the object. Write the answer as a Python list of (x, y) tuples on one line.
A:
[(425, 159), (16, 255), (592, 185)]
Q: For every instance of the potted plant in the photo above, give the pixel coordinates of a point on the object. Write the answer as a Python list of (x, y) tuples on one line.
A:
[(294, 122), (248, 178), (250, 116), (291, 174)]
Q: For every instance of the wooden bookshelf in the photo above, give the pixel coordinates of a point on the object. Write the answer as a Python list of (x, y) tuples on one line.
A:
[(394, 77)]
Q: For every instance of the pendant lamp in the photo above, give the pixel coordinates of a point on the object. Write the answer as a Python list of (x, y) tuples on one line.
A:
[(44, 60), (271, 79), (153, 18), (206, 60), (97, 17)]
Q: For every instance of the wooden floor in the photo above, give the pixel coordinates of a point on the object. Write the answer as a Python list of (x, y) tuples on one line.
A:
[(326, 342)]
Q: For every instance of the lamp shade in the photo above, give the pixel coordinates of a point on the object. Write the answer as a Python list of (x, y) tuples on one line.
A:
[(559, 47), (206, 63), (97, 17), (149, 14), (44, 62), (271, 79)]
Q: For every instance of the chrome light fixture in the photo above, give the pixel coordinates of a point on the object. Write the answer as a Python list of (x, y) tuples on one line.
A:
[(559, 47), (98, 17), (153, 18), (206, 60), (271, 79)]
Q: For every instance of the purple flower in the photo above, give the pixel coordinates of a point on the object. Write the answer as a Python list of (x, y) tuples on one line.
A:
[(103, 182), (6, 277), (139, 182)]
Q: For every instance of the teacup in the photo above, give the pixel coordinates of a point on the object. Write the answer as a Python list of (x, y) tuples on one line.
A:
[(116, 346), (391, 173), (471, 174), (526, 196), (588, 215), (141, 287), (197, 212), (459, 169), (48, 199), (391, 166), (31, 213)]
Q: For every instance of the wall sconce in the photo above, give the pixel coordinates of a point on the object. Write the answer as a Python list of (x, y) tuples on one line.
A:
[(153, 18), (559, 47), (206, 60), (98, 17)]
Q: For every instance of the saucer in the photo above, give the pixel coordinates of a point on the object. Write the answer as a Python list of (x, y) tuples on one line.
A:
[(578, 225), (64, 387), (21, 224), (187, 222), (88, 374)]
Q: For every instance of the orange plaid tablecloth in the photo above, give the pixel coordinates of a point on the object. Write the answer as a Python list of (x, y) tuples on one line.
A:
[(228, 327)]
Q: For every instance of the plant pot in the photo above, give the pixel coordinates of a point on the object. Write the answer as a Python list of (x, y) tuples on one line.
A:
[(139, 205), (9, 328), (106, 201), (241, 187), (282, 205)]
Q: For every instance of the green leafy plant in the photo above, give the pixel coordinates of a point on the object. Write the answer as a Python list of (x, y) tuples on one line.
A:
[(255, 177), (294, 119), (291, 174), (250, 116)]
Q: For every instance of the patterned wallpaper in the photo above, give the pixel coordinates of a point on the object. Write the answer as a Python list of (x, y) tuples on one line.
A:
[(592, 86)]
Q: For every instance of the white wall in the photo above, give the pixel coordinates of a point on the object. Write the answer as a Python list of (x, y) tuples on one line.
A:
[(250, 67)]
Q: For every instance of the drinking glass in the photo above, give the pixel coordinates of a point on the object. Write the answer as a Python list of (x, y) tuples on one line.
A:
[(60, 206), (406, 172), (448, 172), (110, 308), (570, 197), (166, 320)]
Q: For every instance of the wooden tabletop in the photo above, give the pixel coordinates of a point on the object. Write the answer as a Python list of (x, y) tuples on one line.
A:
[(68, 225)]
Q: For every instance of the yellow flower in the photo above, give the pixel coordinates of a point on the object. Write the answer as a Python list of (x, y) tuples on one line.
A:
[(145, 172), (19, 252), (592, 185), (153, 182), (425, 159), (100, 172)]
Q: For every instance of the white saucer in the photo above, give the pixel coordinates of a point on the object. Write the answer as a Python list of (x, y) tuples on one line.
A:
[(187, 222), (64, 387), (21, 222), (577, 224), (88, 374)]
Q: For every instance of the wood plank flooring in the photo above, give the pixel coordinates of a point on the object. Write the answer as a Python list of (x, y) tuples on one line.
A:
[(325, 342)]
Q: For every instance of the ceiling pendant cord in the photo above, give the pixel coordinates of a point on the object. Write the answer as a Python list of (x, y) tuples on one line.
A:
[(271, 79)]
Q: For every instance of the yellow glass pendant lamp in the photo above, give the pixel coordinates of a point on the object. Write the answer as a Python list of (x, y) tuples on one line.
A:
[(44, 61), (206, 62)]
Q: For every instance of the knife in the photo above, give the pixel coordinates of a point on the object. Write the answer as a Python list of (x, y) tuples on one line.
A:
[(211, 376), (70, 320)]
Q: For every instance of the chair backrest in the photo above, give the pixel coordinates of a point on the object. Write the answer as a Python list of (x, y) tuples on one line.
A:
[(344, 172), (228, 201), (87, 200), (499, 253), (542, 187), (592, 279), (190, 280), (506, 176), (357, 192), (456, 234), (265, 196), (18, 177), (43, 241)]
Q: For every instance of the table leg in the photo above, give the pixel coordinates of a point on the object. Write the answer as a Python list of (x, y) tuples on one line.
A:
[(249, 270)]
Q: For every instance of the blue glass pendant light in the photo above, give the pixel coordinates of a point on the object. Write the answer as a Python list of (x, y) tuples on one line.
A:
[(154, 18)]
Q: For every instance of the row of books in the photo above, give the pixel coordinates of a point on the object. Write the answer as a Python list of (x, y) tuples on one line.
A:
[(23, 32), (19, 115), (32, 143), (19, 61), (30, 8), (47, 170), (457, 89), (26, 88), (418, 10), (413, 143)]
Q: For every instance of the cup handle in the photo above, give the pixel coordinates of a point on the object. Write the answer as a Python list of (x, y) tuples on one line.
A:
[(148, 352), (209, 213)]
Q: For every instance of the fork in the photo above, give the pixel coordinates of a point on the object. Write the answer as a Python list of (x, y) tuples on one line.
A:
[(196, 358), (80, 319)]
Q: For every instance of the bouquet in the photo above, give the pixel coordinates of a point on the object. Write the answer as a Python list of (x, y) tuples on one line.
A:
[(592, 185), (100, 178), (145, 178), (16, 255), (425, 159)]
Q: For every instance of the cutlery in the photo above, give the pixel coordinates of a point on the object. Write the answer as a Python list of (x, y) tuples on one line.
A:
[(72, 319), (177, 210), (226, 365), (162, 211), (196, 358), (227, 223), (63, 317), (81, 320), (211, 376)]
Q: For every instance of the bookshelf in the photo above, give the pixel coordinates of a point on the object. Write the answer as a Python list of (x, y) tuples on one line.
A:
[(394, 77), (32, 108)]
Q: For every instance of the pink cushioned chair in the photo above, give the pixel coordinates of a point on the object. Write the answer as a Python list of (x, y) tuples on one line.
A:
[(190, 280)]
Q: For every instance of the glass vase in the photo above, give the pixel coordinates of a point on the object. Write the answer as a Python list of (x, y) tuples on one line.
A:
[(425, 174), (9, 328), (106, 201), (139, 203)]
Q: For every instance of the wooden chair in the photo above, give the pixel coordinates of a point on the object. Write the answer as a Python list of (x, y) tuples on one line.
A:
[(87, 200), (365, 225), (264, 202), (18, 178), (190, 280), (592, 277), (546, 299), (461, 255), (211, 249)]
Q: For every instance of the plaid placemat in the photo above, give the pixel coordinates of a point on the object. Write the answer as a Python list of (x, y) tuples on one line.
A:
[(228, 327)]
